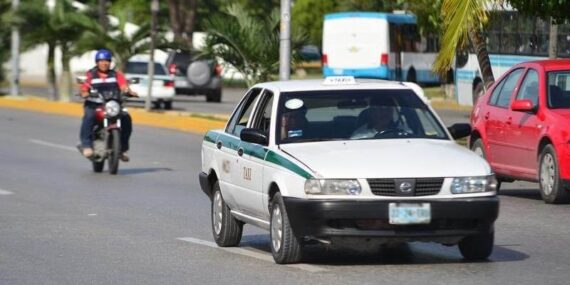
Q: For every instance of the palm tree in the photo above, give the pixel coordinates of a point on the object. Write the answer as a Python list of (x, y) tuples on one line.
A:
[(462, 22), (118, 39), (248, 43)]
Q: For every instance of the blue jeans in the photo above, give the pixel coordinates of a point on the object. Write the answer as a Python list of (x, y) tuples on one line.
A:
[(88, 122)]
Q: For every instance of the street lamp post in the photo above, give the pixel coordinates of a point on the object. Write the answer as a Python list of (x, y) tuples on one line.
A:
[(154, 11), (15, 79), (285, 41)]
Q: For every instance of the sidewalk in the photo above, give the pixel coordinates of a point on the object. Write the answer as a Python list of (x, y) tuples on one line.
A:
[(176, 120)]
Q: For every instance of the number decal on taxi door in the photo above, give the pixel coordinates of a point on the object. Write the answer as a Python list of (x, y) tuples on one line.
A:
[(247, 173)]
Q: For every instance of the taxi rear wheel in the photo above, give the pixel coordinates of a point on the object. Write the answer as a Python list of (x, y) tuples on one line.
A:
[(477, 247), (285, 246), (551, 187), (227, 230)]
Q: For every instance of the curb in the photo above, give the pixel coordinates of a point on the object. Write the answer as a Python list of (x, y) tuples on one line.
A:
[(175, 120)]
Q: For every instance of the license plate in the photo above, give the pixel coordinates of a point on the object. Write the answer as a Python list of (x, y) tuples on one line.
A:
[(409, 213), (180, 83)]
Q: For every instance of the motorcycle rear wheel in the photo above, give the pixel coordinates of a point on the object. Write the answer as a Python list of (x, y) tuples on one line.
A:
[(114, 151)]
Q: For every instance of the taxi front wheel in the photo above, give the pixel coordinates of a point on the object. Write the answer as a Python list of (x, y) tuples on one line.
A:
[(477, 247), (227, 230), (285, 246)]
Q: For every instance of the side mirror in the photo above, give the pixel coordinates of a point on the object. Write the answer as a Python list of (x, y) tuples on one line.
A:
[(135, 80), (523, 106), (459, 131), (254, 136)]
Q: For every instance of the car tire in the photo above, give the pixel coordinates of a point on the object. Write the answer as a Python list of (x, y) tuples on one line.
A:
[(167, 105), (227, 230), (285, 246), (214, 96), (156, 105), (478, 148), (552, 189), (199, 73), (477, 247)]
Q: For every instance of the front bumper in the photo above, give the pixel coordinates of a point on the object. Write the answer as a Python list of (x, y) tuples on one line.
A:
[(332, 218)]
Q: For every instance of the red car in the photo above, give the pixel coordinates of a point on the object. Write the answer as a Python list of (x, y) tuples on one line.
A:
[(521, 126)]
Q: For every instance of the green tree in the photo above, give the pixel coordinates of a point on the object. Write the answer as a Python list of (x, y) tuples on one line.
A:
[(552, 11), (462, 21), (121, 42), (248, 43), (5, 33)]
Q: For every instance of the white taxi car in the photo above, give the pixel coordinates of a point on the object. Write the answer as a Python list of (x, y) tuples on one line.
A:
[(343, 159)]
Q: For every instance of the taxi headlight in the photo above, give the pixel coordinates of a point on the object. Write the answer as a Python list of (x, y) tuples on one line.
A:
[(332, 187), (476, 184), (112, 108)]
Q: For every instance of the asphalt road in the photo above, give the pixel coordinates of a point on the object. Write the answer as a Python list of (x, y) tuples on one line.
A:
[(62, 224)]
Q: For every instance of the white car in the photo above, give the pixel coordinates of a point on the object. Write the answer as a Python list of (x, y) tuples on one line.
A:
[(343, 159), (162, 86)]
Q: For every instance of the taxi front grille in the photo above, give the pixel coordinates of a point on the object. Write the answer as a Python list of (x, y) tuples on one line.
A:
[(423, 186)]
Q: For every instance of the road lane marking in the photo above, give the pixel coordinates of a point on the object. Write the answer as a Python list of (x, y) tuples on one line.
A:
[(252, 253), (54, 145), (4, 192)]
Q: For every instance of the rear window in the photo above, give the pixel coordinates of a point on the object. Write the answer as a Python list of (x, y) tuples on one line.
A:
[(142, 68), (355, 115)]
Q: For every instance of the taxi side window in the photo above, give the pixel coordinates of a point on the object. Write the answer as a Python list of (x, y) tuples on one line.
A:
[(241, 116), (508, 88), (529, 88), (263, 118)]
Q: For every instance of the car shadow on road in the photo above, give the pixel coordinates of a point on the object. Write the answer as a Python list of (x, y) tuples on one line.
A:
[(134, 171), (401, 254), (531, 194)]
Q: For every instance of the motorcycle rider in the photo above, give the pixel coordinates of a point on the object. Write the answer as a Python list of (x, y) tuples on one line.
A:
[(103, 79)]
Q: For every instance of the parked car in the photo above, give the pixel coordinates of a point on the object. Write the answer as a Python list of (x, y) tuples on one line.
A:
[(162, 85), (195, 76), (521, 126), (346, 161)]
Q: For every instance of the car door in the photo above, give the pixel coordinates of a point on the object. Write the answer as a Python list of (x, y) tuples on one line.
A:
[(496, 116), (523, 130), (228, 144), (251, 160)]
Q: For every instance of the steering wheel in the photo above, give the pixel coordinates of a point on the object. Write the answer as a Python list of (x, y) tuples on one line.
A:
[(395, 132)]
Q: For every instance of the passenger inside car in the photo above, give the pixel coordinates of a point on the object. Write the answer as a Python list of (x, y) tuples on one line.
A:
[(294, 124)]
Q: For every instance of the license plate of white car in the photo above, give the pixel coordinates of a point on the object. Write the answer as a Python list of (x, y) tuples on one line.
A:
[(409, 213)]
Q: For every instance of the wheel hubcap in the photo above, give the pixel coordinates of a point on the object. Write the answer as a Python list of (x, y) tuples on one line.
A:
[(276, 228), (547, 172), (217, 214)]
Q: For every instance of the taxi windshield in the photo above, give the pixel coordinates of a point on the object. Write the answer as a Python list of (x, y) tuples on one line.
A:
[(355, 115)]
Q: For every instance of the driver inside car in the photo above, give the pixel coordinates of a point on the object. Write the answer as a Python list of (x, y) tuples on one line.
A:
[(380, 119)]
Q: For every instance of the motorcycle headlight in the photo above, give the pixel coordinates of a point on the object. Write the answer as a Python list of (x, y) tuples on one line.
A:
[(332, 187), (112, 108), (476, 184)]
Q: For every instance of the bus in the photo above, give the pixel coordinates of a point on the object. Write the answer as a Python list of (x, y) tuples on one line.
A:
[(511, 39), (377, 45)]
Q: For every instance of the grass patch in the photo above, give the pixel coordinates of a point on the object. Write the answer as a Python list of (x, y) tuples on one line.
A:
[(434, 92), (208, 117)]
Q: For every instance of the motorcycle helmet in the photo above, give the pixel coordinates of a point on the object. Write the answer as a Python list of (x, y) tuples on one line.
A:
[(103, 54)]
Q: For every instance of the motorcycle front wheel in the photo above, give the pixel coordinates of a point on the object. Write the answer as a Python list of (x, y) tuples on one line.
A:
[(114, 150)]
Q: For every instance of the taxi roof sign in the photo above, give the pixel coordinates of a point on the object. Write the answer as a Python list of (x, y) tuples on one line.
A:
[(339, 80)]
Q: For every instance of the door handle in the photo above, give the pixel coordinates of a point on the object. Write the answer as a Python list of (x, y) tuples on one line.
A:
[(240, 151), (487, 116), (509, 120), (219, 145)]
